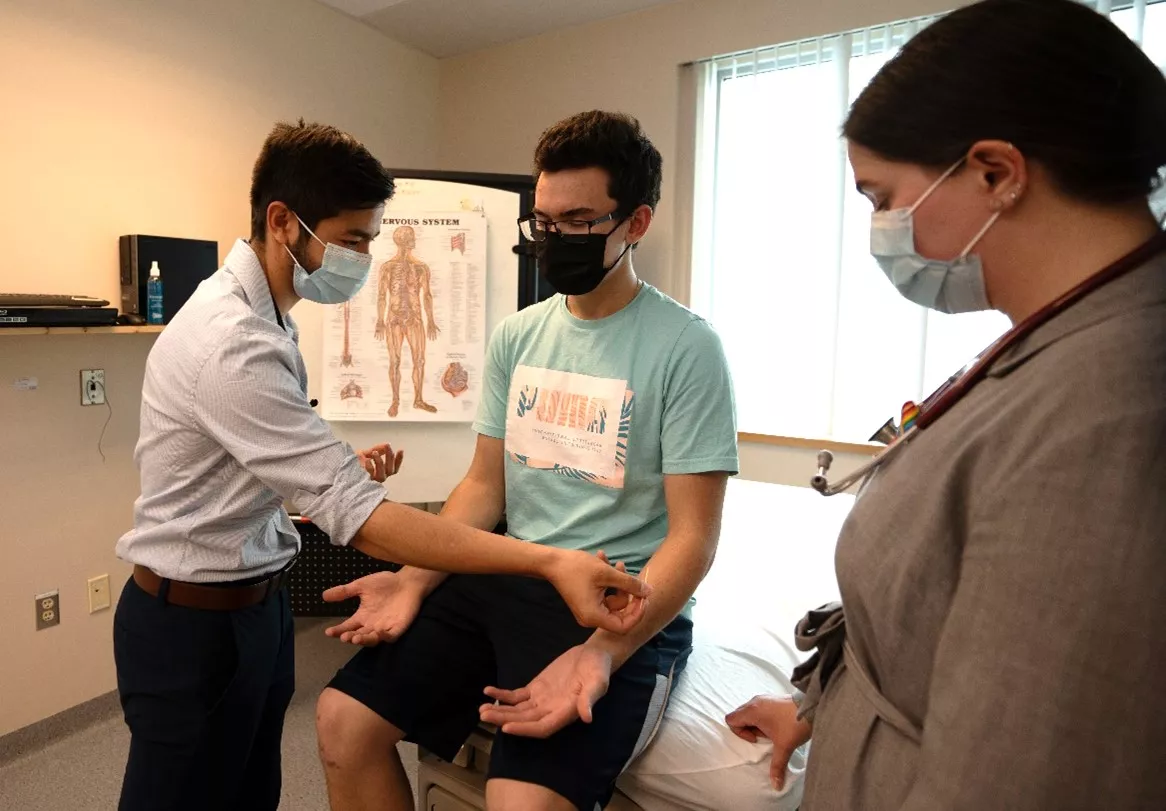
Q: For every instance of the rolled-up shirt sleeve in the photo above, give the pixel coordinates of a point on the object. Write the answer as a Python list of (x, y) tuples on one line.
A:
[(248, 397)]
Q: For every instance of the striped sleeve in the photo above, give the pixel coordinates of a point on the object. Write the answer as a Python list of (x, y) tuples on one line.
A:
[(247, 396)]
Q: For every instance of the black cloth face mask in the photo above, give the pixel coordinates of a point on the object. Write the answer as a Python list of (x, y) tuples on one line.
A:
[(575, 268)]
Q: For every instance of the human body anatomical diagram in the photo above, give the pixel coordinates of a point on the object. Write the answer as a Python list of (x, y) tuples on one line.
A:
[(403, 284)]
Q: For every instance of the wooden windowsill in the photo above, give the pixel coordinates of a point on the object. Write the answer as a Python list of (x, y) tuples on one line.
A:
[(140, 329), (832, 445)]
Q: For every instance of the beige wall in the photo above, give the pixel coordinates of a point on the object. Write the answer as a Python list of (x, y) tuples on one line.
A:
[(494, 104), (137, 116)]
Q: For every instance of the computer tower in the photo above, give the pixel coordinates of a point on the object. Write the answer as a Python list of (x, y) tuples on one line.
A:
[(184, 264)]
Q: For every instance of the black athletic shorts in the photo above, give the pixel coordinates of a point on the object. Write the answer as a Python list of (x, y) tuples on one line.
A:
[(477, 631)]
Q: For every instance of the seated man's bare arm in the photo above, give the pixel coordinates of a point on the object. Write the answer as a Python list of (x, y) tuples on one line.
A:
[(478, 501)]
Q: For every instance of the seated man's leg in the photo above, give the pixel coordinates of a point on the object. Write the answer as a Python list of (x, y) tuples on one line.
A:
[(504, 795), (576, 767), (424, 688), (358, 749)]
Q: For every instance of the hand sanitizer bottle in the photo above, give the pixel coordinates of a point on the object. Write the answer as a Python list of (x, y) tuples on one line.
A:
[(154, 295)]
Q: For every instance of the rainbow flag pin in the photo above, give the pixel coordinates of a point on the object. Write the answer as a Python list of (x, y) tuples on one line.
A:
[(910, 414)]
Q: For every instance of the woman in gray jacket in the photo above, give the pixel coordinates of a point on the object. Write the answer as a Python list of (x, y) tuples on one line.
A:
[(1003, 571)]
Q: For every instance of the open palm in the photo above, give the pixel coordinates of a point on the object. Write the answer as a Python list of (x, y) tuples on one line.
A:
[(388, 606), (565, 691)]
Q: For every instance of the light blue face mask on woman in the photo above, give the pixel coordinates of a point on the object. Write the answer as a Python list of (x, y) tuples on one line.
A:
[(340, 276), (949, 286)]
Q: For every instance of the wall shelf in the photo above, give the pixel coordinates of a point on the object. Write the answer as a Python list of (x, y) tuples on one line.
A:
[(863, 448), (142, 329)]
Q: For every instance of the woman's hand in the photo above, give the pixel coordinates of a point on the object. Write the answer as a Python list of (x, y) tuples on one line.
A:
[(775, 718)]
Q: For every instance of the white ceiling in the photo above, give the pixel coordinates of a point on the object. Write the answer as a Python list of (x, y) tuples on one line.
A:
[(444, 28)]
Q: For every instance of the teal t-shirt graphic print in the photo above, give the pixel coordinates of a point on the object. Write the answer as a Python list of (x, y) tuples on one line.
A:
[(543, 429)]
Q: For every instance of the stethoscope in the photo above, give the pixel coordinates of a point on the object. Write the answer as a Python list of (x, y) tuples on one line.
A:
[(954, 390)]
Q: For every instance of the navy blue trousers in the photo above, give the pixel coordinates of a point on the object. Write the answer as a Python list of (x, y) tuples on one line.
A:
[(204, 694)]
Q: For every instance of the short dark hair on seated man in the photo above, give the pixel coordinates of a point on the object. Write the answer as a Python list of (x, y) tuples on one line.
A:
[(317, 171), (613, 142)]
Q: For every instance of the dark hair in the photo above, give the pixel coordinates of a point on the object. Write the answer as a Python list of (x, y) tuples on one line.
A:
[(613, 142), (317, 171), (1053, 77)]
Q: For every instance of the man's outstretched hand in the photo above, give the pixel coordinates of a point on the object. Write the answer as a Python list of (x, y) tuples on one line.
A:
[(388, 606), (591, 588), (564, 692)]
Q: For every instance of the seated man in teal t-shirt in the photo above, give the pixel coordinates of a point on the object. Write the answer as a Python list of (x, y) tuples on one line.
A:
[(606, 423)]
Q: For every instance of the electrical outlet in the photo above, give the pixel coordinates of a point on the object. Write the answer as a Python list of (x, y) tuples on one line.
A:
[(98, 593), (92, 387), (48, 610)]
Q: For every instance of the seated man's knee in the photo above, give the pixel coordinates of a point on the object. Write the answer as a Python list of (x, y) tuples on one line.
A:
[(347, 730), (511, 795)]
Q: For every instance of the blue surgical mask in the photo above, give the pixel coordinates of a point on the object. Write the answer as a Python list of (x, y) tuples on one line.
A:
[(949, 286), (340, 276)]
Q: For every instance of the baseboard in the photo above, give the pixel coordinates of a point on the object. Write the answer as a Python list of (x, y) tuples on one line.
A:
[(37, 736)]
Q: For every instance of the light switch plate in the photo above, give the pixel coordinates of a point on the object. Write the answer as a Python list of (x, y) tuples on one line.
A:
[(92, 387), (98, 593)]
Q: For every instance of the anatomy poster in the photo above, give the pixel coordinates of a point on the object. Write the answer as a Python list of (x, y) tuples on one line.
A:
[(411, 346)]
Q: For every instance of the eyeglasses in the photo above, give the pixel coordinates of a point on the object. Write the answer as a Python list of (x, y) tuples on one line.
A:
[(536, 230)]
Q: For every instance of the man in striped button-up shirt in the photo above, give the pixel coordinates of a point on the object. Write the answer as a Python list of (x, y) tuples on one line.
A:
[(203, 634)]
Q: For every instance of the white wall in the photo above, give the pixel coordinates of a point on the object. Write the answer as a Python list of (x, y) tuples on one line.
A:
[(632, 64), (138, 116)]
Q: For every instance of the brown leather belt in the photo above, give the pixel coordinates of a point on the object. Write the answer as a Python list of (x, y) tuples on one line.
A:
[(211, 598)]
